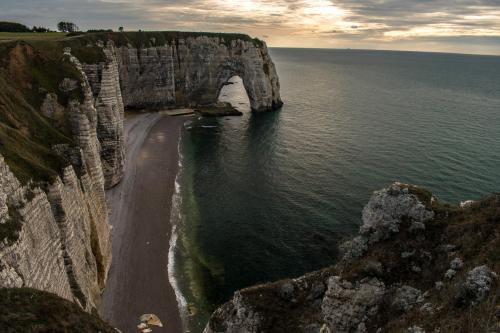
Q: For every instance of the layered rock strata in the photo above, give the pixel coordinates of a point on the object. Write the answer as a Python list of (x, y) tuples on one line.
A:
[(188, 72), (55, 235), (56, 239), (105, 82), (183, 72)]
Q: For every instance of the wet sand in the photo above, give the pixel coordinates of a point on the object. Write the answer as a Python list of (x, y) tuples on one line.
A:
[(140, 217)]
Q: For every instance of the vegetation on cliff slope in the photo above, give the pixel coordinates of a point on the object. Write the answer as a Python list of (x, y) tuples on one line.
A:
[(27, 74), (154, 38), (13, 27), (28, 310)]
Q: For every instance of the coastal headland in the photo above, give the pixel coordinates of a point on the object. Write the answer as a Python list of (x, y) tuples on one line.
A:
[(81, 184), (65, 159)]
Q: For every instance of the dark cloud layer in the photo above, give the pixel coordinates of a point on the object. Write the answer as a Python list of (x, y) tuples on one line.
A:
[(440, 24)]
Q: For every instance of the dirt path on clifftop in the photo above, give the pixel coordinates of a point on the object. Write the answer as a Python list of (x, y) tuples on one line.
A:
[(140, 216)]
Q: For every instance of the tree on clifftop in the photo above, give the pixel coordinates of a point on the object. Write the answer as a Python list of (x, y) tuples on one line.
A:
[(39, 29), (67, 27), (13, 27)]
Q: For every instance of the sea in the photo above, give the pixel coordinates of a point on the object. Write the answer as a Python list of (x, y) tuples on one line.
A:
[(269, 196)]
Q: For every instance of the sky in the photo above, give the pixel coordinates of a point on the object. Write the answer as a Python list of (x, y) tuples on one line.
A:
[(463, 26)]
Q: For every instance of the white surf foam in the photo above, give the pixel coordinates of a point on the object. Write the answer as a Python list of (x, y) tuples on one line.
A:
[(175, 219)]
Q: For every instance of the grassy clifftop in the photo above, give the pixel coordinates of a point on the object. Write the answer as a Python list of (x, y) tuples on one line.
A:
[(152, 38)]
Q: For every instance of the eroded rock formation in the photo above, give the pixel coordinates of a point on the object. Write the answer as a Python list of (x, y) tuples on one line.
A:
[(56, 235), (388, 278), (188, 71), (192, 71), (105, 82), (54, 229)]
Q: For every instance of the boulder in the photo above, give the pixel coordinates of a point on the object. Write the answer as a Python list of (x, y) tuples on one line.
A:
[(406, 298), (477, 285), (346, 306)]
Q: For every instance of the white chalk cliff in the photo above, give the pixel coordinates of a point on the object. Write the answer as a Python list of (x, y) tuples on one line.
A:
[(57, 233)]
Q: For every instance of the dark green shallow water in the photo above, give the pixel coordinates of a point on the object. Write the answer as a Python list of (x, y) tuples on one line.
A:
[(270, 196)]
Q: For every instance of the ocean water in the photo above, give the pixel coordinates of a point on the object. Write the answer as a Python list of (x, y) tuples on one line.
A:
[(268, 196)]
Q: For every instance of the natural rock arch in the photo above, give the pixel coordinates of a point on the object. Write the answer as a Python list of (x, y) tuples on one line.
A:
[(191, 72), (234, 92), (256, 69), (261, 85)]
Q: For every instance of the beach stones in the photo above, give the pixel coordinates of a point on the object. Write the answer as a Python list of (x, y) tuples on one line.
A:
[(147, 320)]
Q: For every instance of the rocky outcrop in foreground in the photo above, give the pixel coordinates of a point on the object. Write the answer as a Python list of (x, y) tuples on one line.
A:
[(31, 310), (417, 265)]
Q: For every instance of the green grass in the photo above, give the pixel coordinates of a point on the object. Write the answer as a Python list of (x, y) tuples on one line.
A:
[(30, 36), (28, 310), (152, 38), (135, 38), (26, 136)]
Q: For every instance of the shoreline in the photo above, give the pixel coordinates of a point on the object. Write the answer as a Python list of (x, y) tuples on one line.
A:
[(175, 219), (141, 206)]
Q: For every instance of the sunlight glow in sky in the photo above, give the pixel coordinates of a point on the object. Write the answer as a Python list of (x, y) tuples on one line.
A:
[(471, 26)]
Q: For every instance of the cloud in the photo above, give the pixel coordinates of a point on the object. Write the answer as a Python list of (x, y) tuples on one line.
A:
[(320, 23)]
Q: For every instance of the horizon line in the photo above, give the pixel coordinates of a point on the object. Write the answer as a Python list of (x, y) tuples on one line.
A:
[(383, 50)]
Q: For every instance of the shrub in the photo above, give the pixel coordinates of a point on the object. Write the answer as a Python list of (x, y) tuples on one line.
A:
[(39, 29), (67, 27), (100, 30)]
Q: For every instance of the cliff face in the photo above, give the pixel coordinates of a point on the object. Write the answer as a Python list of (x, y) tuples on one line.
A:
[(55, 234), (58, 240), (190, 71), (417, 265), (193, 71), (178, 71), (105, 82), (61, 139)]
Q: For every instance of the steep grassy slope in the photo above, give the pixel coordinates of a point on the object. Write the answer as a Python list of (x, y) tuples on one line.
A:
[(27, 74), (29, 311), (30, 36)]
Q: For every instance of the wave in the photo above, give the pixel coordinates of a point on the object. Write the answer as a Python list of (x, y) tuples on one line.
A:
[(175, 219)]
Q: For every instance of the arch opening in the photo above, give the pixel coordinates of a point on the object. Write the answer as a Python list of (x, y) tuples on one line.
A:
[(233, 92)]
